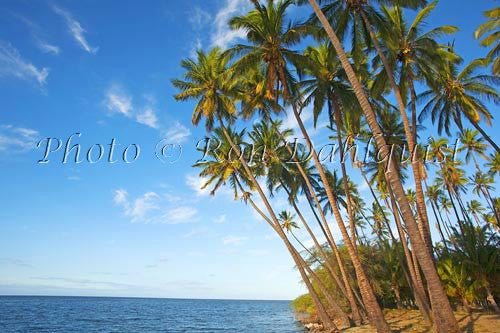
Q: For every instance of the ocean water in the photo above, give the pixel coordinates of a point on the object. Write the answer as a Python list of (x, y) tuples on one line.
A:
[(110, 314)]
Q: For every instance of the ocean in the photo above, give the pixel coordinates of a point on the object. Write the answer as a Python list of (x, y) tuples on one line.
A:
[(115, 314)]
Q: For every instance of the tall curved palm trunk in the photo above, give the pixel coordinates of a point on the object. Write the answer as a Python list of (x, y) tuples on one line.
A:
[(356, 314), (443, 315), (301, 265), (374, 310), (410, 133), (412, 278)]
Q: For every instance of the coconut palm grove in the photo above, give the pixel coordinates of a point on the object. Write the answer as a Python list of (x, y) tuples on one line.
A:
[(398, 108)]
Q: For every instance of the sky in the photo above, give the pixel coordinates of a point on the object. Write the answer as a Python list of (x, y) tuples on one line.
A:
[(135, 227)]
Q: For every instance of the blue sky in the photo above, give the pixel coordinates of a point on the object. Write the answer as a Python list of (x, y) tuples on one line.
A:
[(129, 229)]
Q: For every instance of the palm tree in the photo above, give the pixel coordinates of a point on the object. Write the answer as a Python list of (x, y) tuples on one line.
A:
[(288, 224), (453, 95), (482, 185), (280, 175), (209, 81), (458, 282), (479, 251), (378, 217), (271, 39), (476, 209), (410, 52), (328, 84), (433, 194), (491, 26), (443, 315), (494, 164), (370, 21), (473, 146)]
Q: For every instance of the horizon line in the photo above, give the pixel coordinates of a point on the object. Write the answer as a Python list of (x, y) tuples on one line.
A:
[(151, 297)]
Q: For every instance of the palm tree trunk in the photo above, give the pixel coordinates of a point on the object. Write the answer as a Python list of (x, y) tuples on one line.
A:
[(415, 162), (356, 315), (316, 243), (415, 281), (340, 263), (491, 300), (444, 318), (492, 204), (438, 226), (413, 95), (327, 322), (336, 113), (374, 311), (483, 133), (325, 319)]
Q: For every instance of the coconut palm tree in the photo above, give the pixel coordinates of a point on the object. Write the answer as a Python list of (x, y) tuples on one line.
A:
[(473, 146), (476, 209), (328, 85), (482, 185), (378, 217), (494, 164), (443, 315), (455, 94), (209, 81), (411, 52), (371, 21), (479, 251), (271, 40), (458, 282), (491, 26), (434, 192), (288, 224)]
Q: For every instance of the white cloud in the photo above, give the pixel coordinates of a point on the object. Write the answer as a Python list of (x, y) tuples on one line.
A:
[(12, 64), (195, 183), (177, 133), (17, 138), (47, 48), (198, 18), (37, 32), (151, 207), (75, 29), (148, 118), (144, 206), (180, 214), (116, 100), (197, 45), (220, 219), (223, 35), (233, 240), (121, 197)]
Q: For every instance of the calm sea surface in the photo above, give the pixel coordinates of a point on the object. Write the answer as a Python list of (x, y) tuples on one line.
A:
[(108, 314)]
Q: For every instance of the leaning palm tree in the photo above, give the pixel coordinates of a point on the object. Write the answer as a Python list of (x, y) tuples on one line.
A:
[(473, 146), (288, 224), (209, 81), (443, 314), (491, 26), (371, 21), (455, 94), (483, 185), (327, 85), (494, 164), (476, 209), (411, 52), (271, 39)]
